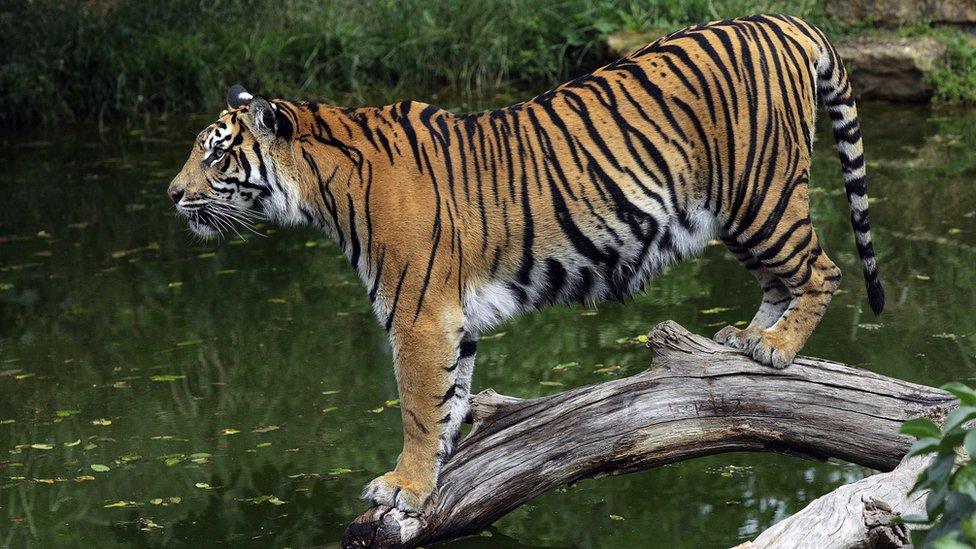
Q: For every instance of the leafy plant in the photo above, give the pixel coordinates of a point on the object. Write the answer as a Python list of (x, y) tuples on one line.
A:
[(955, 82), (951, 502)]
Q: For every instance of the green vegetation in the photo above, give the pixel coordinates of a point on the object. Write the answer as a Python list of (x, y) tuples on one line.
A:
[(956, 82), (950, 478), (122, 59), (104, 59)]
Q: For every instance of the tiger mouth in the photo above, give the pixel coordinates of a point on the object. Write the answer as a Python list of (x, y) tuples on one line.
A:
[(201, 226)]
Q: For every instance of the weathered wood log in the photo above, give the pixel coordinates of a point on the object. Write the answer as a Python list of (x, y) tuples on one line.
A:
[(860, 514), (697, 398)]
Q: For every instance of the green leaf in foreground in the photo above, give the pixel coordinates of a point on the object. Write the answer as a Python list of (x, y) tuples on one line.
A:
[(920, 427)]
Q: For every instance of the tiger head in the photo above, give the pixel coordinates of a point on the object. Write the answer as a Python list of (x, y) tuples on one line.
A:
[(231, 176)]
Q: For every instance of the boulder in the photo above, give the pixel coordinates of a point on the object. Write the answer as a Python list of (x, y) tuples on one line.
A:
[(894, 69), (898, 12)]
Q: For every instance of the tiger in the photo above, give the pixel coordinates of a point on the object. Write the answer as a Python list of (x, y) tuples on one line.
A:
[(457, 222)]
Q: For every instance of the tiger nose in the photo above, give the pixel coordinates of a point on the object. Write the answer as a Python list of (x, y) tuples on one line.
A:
[(175, 195)]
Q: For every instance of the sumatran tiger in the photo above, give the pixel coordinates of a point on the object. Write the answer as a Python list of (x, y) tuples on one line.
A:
[(456, 222)]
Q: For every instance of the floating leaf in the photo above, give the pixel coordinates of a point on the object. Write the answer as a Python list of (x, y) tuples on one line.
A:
[(329, 409), (265, 429), (84, 478), (551, 383), (923, 277), (616, 517), (263, 445), (146, 524), (40, 446), (608, 369), (99, 468), (102, 422), (330, 392), (229, 431), (265, 499), (156, 501), (65, 413), (378, 410), (943, 335), (494, 336), (642, 339), (203, 486), (869, 326), (122, 504), (167, 377), (188, 342), (72, 444), (339, 471), (715, 310), (565, 365)]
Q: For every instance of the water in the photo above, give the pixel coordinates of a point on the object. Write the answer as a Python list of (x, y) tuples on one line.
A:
[(237, 392)]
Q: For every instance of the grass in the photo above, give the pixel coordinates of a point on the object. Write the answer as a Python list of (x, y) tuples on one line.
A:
[(107, 60)]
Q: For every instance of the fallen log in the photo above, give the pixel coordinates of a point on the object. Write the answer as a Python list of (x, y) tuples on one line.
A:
[(860, 514), (697, 398)]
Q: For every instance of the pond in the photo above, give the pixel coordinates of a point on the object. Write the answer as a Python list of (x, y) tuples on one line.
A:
[(160, 391)]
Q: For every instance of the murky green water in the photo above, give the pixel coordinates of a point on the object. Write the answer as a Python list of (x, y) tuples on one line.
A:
[(157, 391)]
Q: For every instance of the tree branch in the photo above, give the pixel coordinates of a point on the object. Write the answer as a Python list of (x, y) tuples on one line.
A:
[(697, 398)]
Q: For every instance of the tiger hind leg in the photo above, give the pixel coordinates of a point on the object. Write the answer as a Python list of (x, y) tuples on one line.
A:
[(790, 252), (775, 299)]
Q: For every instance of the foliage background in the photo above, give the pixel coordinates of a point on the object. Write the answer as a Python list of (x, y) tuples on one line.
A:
[(110, 59)]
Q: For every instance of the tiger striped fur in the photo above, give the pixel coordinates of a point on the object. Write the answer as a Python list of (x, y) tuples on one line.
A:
[(456, 222)]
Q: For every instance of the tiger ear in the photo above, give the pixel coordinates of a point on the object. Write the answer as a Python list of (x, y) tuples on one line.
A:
[(261, 119), (238, 96)]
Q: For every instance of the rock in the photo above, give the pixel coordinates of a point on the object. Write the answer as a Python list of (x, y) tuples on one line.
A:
[(897, 12), (620, 44), (892, 68)]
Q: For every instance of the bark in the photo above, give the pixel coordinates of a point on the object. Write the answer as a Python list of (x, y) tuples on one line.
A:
[(697, 398), (859, 514)]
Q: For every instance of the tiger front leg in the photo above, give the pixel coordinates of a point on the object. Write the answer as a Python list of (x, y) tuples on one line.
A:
[(433, 370)]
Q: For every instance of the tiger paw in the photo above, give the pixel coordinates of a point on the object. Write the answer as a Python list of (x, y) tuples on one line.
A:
[(774, 350), (743, 340), (396, 491), (727, 336)]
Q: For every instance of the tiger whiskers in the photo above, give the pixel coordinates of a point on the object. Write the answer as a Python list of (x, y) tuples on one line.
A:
[(226, 215)]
